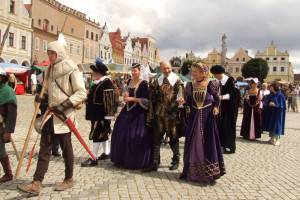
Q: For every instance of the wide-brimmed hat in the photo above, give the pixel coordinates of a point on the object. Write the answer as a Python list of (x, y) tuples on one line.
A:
[(217, 69), (99, 68)]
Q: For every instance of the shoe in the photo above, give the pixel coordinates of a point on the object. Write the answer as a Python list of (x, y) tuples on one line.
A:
[(152, 167), (33, 188), (7, 170), (67, 183), (277, 143), (271, 141), (56, 154), (89, 163), (104, 157), (174, 163)]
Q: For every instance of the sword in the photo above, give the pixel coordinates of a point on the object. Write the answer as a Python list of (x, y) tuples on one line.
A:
[(70, 124)]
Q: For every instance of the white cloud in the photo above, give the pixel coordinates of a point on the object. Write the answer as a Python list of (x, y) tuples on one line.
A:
[(180, 26)]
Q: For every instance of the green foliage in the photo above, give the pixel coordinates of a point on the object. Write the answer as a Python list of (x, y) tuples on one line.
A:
[(256, 67), (186, 66)]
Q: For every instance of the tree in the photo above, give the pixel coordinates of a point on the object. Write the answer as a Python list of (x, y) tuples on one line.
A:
[(186, 66), (256, 67)]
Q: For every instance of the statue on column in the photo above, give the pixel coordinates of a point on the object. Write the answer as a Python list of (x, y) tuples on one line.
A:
[(224, 51)]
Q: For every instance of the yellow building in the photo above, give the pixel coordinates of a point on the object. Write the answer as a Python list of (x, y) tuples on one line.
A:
[(280, 68)]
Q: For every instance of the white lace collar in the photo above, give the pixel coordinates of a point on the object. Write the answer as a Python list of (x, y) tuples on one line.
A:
[(172, 78), (101, 79), (224, 79)]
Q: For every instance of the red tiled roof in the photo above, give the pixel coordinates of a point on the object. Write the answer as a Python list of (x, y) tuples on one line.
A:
[(142, 40)]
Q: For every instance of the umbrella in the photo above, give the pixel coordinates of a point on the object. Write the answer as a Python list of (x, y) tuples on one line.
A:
[(185, 79), (14, 68)]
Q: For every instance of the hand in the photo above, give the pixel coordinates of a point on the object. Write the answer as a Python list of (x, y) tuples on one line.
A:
[(58, 109), (127, 99), (39, 99), (6, 137), (220, 97), (271, 104), (215, 111), (181, 101)]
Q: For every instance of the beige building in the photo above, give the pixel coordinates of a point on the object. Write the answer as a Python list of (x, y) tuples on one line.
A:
[(91, 41), (47, 27), (151, 47), (280, 68), (17, 47), (137, 52), (157, 59), (213, 58), (235, 64)]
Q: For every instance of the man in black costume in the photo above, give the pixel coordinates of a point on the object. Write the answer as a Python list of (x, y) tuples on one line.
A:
[(96, 112), (227, 116)]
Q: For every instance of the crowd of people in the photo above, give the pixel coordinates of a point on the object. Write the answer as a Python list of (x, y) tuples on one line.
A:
[(204, 112)]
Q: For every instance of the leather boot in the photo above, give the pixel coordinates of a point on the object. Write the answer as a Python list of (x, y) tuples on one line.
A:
[(156, 160), (33, 188), (176, 156), (67, 183), (7, 170)]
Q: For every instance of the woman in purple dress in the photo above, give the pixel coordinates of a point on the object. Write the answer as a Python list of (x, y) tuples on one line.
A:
[(203, 159), (251, 125), (132, 140)]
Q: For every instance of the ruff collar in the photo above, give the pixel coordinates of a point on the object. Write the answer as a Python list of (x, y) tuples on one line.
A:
[(172, 78)]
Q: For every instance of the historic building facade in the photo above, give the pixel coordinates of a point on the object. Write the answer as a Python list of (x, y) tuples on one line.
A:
[(91, 41), (128, 51), (17, 48), (137, 52), (280, 68), (105, 45), (235, 64), (117, 46), (151, 47), (213, 58), (46, 29), (157, 58), (176, 64), (145, 60)]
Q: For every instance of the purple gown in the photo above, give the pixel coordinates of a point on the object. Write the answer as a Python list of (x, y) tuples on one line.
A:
[(132, 140), (203, 159)]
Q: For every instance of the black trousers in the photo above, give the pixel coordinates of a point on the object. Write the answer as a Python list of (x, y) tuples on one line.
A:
[(47, 140)]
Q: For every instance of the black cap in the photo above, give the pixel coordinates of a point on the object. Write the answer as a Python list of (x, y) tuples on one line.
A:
[(99, 68), (217, 69)]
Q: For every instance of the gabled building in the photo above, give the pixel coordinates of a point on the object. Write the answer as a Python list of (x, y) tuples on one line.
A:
[(91, 41), (150, 44), (105, 45), (128, 50), (137, 52), (280, 68), (157, 58), (17, 47), (117, 46), (235, 64), (176, 64), (213, 58)]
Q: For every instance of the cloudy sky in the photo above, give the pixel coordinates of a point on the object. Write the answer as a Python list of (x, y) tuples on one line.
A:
[(180, 26)]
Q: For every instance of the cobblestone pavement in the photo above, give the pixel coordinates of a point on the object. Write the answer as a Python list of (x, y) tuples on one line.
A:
[(257, 170)]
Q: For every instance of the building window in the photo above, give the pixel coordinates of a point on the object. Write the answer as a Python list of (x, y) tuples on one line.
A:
[(282, 58), (72, 30), (91, 56), (71, 48), (244, 59), (45, 45), (37, 43), (101, 55), (12, 7), (92, 36), (237, 59), (86, 34), (267, 58), (105, 55), (46, 25), (96, 38), (23, 42), (282, 69), (11, 40), (274, 69), (39, 22), (275, 58), (78, 50), (214, 60), (237, 69), (52, 27)]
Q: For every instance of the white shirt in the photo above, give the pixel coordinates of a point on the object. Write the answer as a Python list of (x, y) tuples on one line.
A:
[(223, 82), (101, 79), (172, 78), (33, 79)]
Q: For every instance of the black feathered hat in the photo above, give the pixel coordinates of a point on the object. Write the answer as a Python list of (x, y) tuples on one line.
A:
[(99, 68), (217, 69)]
